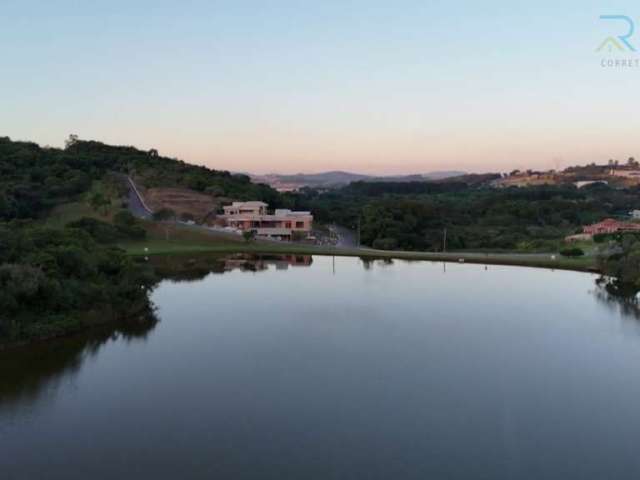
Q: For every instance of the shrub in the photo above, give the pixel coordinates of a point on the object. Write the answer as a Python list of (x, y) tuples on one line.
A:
[(164, 215), (100, 231), (124, 218), (249, 235), (297, 236), (601, 237), (385, 243), (135, 232)]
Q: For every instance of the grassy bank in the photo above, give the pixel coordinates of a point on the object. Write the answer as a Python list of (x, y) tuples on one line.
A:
[(197, 243), (107, 191)]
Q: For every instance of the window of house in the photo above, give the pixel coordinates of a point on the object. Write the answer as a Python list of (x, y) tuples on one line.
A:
[(299, 224)]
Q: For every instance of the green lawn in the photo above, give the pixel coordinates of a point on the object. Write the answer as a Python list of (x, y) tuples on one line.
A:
[(75, 210), (157, 246), (69, 212)]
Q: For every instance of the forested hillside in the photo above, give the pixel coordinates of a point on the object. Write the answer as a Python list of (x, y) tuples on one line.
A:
[(33, 179), (58, 279), (413, 216)]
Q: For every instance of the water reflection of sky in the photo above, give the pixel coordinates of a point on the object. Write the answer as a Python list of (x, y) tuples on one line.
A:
[(34, 372), (258, 335)]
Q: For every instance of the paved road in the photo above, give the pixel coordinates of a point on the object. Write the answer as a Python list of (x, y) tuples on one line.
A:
[(136, 204), (346, 237)]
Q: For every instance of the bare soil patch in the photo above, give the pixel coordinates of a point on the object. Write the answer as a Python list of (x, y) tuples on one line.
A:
[(201, 206)]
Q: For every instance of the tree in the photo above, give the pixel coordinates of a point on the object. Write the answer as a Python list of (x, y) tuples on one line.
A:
[(214, 190), (71, 141), (99, 202), (249, 235), (164, 214), (298, 236), (101, 232), (124, 219), (4, 206), (128, 226), (385, 243)]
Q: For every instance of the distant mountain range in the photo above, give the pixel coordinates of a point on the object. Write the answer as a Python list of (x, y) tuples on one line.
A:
[(339, 179)]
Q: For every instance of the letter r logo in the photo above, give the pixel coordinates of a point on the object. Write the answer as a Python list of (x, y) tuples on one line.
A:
[(611, 42)]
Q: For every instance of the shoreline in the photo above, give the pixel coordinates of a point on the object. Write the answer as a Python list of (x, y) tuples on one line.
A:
[(92, 320), (86, 322), (534, 260)]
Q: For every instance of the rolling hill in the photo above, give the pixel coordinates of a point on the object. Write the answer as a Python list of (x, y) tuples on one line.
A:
[(334, 179)]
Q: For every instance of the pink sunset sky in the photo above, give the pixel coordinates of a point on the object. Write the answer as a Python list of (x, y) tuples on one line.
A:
[(364, 86)]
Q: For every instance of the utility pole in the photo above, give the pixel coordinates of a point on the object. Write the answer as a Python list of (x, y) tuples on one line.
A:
[(444, 241)]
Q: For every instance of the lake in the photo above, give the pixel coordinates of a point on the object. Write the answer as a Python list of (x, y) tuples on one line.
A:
[(322, 368)]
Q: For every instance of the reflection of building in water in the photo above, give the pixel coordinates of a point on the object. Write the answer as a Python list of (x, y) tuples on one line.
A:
[(198, 267), (256, 263), (298, 260)]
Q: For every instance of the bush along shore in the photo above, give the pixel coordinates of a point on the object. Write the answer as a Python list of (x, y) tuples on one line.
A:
[(57, 281)]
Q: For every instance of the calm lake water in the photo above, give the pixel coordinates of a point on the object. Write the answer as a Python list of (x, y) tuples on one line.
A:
[(314, 369)]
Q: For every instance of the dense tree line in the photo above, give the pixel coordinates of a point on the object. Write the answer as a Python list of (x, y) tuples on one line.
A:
[(619, 263), (619, 257), (414, 216), (53, 280)]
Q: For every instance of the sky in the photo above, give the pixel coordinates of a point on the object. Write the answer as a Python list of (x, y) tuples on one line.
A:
[(382, 87)]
